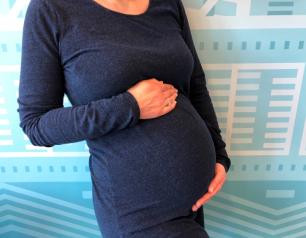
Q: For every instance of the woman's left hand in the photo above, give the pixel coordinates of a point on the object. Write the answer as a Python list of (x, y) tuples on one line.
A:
[(214, 187)]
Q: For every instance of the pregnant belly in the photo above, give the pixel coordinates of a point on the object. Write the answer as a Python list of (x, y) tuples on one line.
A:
[(159, 165)]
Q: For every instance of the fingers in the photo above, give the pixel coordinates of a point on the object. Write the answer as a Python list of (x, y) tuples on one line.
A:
[(214, 186), (169, 99), (207, 196), (170, 95), (218, 179), (167, 108), (201, 201), (166, 86), (169, 104)]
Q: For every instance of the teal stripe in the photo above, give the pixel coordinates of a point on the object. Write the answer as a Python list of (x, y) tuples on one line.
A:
[(287, 4), (279, 12)]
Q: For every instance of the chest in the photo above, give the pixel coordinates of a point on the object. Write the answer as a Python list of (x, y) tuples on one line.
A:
[(103, 55)]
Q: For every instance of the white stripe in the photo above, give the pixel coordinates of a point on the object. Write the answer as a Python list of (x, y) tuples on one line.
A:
[(277, 125), (276, 135), (49, 208), (52, 219), (244, 119), (284, 80), (38, 148), (219, 92), (254, 215), (6, 142), (241, 140), (254, 226), (279, 114), (245, 109), (31, 232), (199, 21), (18, 6), (280, 104), (243, 130), (276, 92), (274, 145), (220, 104), (9, 68), (40, 226), (221, 114), (218, 81), (5, 132), (231, 229), (4, 122), (43, 154), (249, 98), (248, 75), (46, 198), (242, 87)]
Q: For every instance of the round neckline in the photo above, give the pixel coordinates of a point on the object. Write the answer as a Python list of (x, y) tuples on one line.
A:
[(121, 13)]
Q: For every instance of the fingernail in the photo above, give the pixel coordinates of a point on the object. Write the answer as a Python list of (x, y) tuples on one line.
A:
[(211, 190)]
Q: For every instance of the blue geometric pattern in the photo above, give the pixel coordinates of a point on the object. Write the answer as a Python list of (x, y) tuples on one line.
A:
[(253, 54)]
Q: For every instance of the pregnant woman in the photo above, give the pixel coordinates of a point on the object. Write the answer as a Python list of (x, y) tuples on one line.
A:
[(139, 100)]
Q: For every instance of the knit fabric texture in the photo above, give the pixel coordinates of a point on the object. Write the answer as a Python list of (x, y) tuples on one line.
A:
[(146, 173)]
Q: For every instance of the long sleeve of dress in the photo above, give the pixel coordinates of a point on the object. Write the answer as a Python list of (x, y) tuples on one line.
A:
[(43, 118), (199, 95)]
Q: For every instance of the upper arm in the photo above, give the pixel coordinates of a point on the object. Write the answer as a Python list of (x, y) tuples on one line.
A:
[(41, 86)]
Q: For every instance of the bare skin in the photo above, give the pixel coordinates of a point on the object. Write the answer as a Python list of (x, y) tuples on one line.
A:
[(214, 187), (154, 97)]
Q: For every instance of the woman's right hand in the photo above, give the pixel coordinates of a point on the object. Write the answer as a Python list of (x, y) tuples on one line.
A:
[(154, 97)]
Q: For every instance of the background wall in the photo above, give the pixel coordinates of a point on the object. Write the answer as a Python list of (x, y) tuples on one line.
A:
[(253, 54)]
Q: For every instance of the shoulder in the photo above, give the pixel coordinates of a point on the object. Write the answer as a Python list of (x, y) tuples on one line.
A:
[(39, 9), (41, 24), (178, 4), (51, 14), (179, 7), (39, 5), (47, 8), (180, 11)]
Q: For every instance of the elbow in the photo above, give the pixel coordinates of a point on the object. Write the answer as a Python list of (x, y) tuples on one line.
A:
[(31, 130)]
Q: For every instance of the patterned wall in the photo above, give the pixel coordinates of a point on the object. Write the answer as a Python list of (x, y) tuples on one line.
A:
[(253, 53)]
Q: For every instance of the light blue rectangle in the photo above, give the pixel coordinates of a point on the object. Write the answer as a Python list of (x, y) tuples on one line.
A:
[(280, 4), (86, 195), (280, 193)]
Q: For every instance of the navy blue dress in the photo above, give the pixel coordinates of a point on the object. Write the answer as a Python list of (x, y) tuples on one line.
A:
[(146, 174)]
